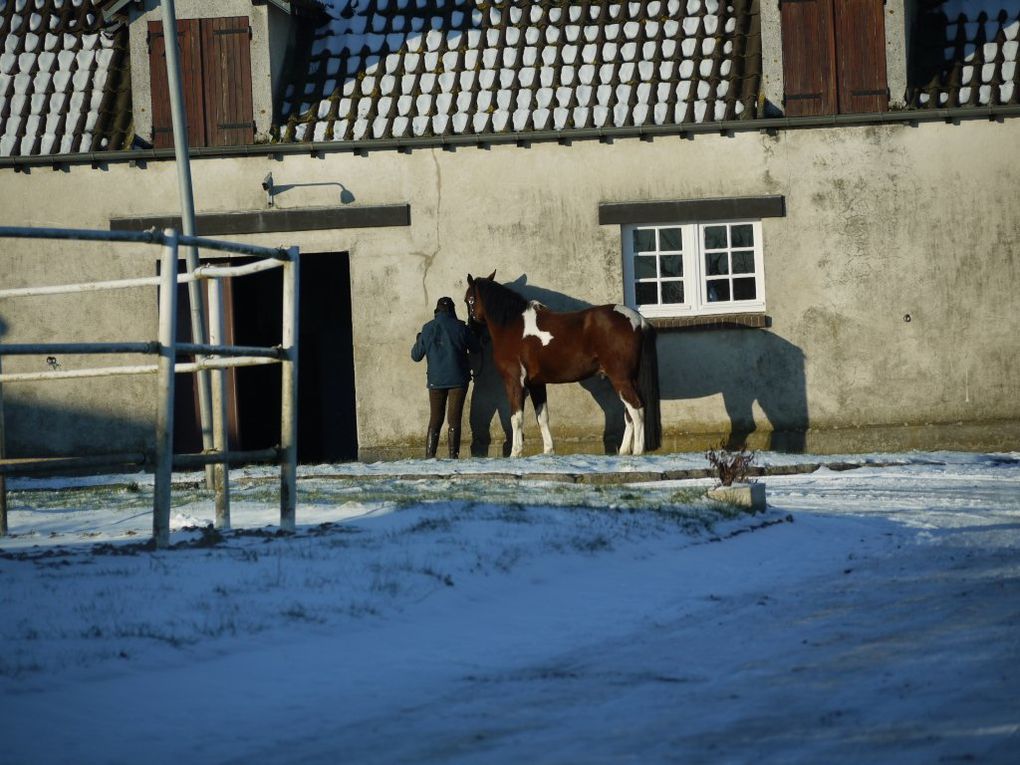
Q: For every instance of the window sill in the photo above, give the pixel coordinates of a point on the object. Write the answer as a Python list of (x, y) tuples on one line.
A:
[(719, 321)]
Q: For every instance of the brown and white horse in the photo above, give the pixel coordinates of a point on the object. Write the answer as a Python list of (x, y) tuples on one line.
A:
[(533, 346)]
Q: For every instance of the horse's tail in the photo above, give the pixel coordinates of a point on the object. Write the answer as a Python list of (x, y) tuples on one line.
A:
[(648, 387)]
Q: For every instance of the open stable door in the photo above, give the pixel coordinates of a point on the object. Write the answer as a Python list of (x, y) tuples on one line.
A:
[(253, 305)]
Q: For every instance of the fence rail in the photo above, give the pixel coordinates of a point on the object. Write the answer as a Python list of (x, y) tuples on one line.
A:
[(214, 356), (200, 273)]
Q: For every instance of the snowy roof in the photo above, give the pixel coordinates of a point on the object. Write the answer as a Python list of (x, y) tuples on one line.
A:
[(426, 68), (403, 68), (966, 55), (63, 78)]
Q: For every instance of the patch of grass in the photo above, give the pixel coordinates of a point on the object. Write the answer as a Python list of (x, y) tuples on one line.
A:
[(431, 524), (438, 576), (688, 496), (592, 545), (299, 613)]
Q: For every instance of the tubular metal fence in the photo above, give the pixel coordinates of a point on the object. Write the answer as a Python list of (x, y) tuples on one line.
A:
[(214, 356)]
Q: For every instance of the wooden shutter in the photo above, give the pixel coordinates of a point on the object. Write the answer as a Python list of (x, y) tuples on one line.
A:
[(809, 71), (189, 46), (216, 80), (860, 57), (226, 63)]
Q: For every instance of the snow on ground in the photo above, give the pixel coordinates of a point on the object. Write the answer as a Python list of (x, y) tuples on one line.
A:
[(506, 612)]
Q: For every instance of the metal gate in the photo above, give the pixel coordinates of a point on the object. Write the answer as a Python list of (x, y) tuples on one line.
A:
[(211, 356)]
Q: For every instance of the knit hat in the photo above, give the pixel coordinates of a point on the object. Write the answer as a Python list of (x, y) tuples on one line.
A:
[(445, 304)]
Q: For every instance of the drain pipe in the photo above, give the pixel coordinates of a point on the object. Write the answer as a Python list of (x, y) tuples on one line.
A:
[(180, 130)]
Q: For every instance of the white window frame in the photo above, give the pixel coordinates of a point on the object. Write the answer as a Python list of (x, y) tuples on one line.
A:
[(696, 301)]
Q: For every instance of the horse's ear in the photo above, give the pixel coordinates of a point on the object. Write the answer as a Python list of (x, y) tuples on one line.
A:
[(471, 281), (492, 275)]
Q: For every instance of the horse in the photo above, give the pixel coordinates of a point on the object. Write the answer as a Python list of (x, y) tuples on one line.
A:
[(533, 346)]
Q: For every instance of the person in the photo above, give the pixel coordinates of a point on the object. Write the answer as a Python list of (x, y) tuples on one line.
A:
[(446, 343)]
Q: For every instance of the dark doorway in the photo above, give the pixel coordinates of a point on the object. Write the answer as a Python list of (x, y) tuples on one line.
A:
[(327, 430)]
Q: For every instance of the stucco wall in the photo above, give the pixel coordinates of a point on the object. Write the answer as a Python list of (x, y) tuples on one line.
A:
[(882, 223)]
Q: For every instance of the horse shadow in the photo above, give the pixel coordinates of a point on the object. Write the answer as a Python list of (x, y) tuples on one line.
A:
[(744, 366)]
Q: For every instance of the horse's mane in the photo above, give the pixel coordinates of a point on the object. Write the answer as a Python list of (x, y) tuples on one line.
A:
[(502, 304)]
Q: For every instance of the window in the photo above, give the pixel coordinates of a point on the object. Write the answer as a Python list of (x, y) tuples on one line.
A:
[(694, 268)]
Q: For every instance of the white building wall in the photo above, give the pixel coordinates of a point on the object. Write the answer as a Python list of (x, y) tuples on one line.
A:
[(882, 223)]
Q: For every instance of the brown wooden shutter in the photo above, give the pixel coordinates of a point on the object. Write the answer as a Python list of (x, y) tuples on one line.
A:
[(226, 62), (189, 44), (809, 71), (860, 57)]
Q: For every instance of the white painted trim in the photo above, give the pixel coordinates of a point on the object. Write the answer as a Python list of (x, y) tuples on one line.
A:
[(695, 285)]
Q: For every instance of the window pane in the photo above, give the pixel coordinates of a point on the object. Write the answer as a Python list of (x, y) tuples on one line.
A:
[(644, 267), (743, 262), (717, 263), (671, 239), (743, 289), (742, 235), (672, 292), (647, 293), (715, 237), (671, 265), (644, 239), (718, 290)]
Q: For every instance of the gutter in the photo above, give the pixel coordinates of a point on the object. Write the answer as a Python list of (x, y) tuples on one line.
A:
[(607, 135)]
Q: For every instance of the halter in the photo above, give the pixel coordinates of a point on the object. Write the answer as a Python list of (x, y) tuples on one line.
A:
[(471, 306)]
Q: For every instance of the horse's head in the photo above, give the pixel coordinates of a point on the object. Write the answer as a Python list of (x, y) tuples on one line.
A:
[(473, 297)]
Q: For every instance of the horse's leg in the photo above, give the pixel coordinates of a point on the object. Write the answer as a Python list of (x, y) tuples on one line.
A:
[(541, 402), (634, 432), (628, 430), (515, 395)]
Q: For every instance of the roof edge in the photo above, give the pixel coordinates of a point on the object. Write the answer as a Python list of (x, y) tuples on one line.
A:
[(648, 132)]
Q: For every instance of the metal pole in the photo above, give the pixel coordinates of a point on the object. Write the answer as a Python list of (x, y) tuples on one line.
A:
[(3, 478), (288, 393), (180, 128), (165, 394), (221, 470)]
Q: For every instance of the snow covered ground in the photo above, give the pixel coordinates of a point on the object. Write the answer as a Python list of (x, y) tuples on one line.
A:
[(870, 615)]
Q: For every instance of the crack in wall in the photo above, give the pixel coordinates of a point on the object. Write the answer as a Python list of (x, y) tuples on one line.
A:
[(431, 258)]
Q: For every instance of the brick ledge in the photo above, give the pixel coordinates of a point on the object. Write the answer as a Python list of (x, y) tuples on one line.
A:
[(721, 321)]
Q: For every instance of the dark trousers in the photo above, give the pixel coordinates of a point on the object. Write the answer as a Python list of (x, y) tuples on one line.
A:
[(449, 401)]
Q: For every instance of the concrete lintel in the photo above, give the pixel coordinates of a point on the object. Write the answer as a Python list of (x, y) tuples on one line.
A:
[(266, 221), (692, 210)]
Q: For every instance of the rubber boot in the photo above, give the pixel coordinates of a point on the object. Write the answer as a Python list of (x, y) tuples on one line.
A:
[(431, 444), (453, 436)]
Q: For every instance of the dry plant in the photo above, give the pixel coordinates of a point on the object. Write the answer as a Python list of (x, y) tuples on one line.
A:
[(730, 466)]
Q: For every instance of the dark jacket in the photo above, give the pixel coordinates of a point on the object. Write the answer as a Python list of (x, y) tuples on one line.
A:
[(446, 341)]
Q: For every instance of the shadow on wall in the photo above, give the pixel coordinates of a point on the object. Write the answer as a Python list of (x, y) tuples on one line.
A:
[(34, 430), (43, 430), (743, 365)]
